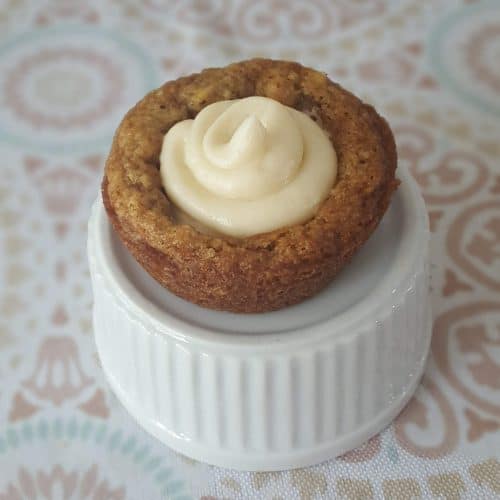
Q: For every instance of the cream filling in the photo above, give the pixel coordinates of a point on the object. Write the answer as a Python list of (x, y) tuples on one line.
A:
[(248, 166)]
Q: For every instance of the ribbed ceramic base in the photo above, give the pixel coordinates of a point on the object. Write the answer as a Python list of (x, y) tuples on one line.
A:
[(277, 390)]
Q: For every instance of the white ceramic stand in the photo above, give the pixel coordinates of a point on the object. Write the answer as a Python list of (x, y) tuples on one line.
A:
[(276, 390)]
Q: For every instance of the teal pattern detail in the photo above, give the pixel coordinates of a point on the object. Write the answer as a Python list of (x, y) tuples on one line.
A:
[(152, 464), (57, 428), (27, 432), (114, 440), (12, 438), (85, 430), (141, 454), (129, 445), (100, 434), (438, 60), (393, 454), (71, 429), (171, 487), (174, 487), (43, 429), (163, 475)]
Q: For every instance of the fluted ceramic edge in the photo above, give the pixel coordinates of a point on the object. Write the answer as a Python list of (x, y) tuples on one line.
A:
[(255, 409)]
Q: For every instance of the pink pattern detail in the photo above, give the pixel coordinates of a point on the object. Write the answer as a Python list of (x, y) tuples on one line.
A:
[(60, 270), (61, 229), (417, 413), (33, 163), (479, 426), (434, 218), (495, 189), (66, 10), (365, 452), (72, 484), (394, 67), (350, 13), (467, 325), (94, 163), (96, 406), (473, 242), (108, 70), (196, 12), (474, 340), (21, 408), (453, 284), (259, 20), (427, 82), (413, 144), (61, 189), (444, 183), (59, 316), (453, 177), (58, 374), (263, 21), (484, 245), (476, 55)]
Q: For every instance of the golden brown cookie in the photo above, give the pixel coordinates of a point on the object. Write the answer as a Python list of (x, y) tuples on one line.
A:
[(265, 271)]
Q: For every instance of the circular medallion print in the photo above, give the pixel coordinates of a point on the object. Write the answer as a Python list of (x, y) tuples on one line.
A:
[(67, 88), (465, 52), (83, 459)]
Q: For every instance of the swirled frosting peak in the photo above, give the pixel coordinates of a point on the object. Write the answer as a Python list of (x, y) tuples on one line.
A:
[(247, 166)]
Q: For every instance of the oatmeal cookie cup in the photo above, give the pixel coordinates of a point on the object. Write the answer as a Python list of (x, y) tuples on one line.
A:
[(266, 271)]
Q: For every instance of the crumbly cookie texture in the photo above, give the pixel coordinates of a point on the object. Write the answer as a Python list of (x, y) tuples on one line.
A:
[(266, 271)]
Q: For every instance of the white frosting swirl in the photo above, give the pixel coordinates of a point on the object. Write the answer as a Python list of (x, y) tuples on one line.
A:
[(248, 166)]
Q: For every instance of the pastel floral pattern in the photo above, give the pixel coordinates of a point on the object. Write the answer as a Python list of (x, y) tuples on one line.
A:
[(66, 86), (62, 85), (91, 467), (473, 243), (69, 70), (58, 377), (67, 10), (474, 34), (58, 373), (59, 484)]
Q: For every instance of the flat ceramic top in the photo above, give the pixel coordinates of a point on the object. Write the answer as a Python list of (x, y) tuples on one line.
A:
[(362, 286)]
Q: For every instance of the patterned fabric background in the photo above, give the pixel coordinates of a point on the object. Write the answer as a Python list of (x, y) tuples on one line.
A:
[(70, 69)]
